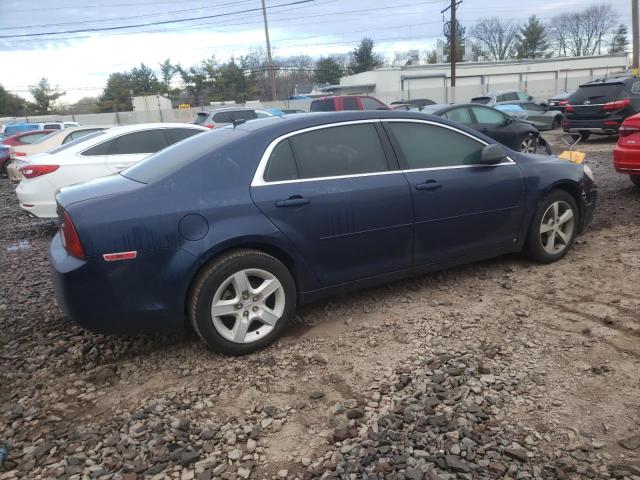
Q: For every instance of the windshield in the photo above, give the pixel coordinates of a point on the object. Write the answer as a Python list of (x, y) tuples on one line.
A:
[(64, 146), (175, 157), (597, 93), (201, 118)]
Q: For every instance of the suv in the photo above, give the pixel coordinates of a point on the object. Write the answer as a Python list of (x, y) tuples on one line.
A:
[(226, 116), (600, 106), (14, 128), (492, 98), (347, 102)]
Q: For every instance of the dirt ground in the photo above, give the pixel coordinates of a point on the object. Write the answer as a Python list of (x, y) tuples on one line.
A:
[(557, 348)]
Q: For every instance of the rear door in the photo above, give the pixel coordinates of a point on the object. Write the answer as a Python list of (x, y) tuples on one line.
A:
[(130, 148), (461, 208), (333, 191)]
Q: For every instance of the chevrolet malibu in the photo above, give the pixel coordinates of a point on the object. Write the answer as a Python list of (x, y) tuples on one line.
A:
[(232, 229)]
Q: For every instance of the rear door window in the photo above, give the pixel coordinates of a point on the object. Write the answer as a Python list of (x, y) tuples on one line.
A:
[(350, 104), (432, 146), (282, 165), (99, 150), (322, 105), (179, 134), (147, 141), (340, 150)]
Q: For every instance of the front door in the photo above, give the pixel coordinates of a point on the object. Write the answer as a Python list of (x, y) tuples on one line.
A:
[(337, 197), (461, 208), (496, 125)]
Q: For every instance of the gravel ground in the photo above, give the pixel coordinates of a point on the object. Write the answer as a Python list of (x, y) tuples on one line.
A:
[(501, 369)]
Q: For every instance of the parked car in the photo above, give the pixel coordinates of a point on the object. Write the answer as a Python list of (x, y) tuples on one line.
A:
[(600, 106), (95, 155), (25, 127), (346, 102), (418, 102), (626, 154), (222, 117), (516, 134), (559, 100), (542, 118), (492, 98), (22, 138), (289, 111), (18, 154), (239, 226)]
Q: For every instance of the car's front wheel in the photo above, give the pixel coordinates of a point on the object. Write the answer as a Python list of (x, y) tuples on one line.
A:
[(635, 179), (528, 144), (554, 227), (242, 302)]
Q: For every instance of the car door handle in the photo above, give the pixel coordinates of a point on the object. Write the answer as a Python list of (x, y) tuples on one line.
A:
[(293, 201), (429, 185)]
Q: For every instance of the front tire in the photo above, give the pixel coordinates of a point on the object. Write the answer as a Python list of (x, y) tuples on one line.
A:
[(242, 302), (635, 179), (554, 227), (528, 144)]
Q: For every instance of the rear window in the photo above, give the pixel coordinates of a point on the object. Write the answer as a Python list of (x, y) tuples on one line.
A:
[(323, 106), (52, 126), (597, 93), (177, 156), (200, 119), (36, 137), (481, 100)]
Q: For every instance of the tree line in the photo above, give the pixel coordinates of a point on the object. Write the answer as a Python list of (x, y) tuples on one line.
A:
[(591, 31)]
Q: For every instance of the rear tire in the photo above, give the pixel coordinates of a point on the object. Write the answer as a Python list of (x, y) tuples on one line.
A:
[(585, 135), (242, 302), (635, 179), (554, 227), (557, 123)]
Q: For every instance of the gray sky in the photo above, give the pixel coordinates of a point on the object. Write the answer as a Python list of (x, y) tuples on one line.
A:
[(80, 62)]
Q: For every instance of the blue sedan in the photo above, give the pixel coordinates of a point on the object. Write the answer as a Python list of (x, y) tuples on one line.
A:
[(234, 228)]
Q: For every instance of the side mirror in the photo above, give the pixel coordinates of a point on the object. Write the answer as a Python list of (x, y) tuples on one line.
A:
[(493, 154), (508, 120)]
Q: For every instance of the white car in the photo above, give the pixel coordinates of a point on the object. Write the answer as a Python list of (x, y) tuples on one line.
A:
[(96, 155), (19, 153)]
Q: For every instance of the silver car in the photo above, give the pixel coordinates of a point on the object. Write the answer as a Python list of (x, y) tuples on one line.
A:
[(226, 116), (541, 117)]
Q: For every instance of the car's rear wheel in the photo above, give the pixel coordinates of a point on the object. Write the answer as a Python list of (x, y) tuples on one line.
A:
[(554, 227), (528, 144), (242, 302), (635, 179)]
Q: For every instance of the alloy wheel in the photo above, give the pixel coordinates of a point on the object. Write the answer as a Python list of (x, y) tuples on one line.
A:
[(556, 227), (248, 305), (528, 145)]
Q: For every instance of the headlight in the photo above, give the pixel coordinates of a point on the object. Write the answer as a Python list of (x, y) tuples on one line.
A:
[(588, 172)]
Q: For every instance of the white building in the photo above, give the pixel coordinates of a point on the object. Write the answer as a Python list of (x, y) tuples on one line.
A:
[(147, 103), (541, 78)]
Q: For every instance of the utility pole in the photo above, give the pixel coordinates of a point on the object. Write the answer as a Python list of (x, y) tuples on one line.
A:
[(452, 38), (272, 73), (635, 31)]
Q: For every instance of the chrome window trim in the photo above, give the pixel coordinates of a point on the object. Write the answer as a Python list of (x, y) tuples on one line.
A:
[(258, 177)]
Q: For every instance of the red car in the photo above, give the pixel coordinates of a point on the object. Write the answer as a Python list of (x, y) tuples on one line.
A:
[(346, 102), (626, 155), (22, 138)]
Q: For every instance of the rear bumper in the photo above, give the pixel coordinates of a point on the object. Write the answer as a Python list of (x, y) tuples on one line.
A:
[(35, 202), (117, 297), (13, 172), (598, 127), (626, 160)]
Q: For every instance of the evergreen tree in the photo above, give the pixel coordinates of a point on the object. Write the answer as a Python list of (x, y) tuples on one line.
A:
[(363, 58), (460, 36), (144, 81), (116, 95), (619, 42), (10, 105), (44, 95), (532, 41), (328, 70)]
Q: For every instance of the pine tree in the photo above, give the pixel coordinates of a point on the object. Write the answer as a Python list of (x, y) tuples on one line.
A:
[(328, 70), (533, 41), (460, 36), (363, 58), (619, 42)]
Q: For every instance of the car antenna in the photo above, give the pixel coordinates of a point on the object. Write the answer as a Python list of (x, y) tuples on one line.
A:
[(239, 121)]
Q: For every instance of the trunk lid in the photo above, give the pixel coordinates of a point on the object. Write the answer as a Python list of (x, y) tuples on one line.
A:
[(99, 187)]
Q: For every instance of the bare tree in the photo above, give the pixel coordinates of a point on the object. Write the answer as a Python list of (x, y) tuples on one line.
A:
[(583, 33), (496, 39)]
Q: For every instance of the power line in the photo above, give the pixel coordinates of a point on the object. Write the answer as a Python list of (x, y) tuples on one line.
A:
[(163, 22)]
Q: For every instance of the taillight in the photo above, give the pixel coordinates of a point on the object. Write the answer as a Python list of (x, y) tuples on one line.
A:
[(19, 154), (626, 130), (209, 125), (618, 104), (70, 238), (32, 171), (562, 102), (569, 108)]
